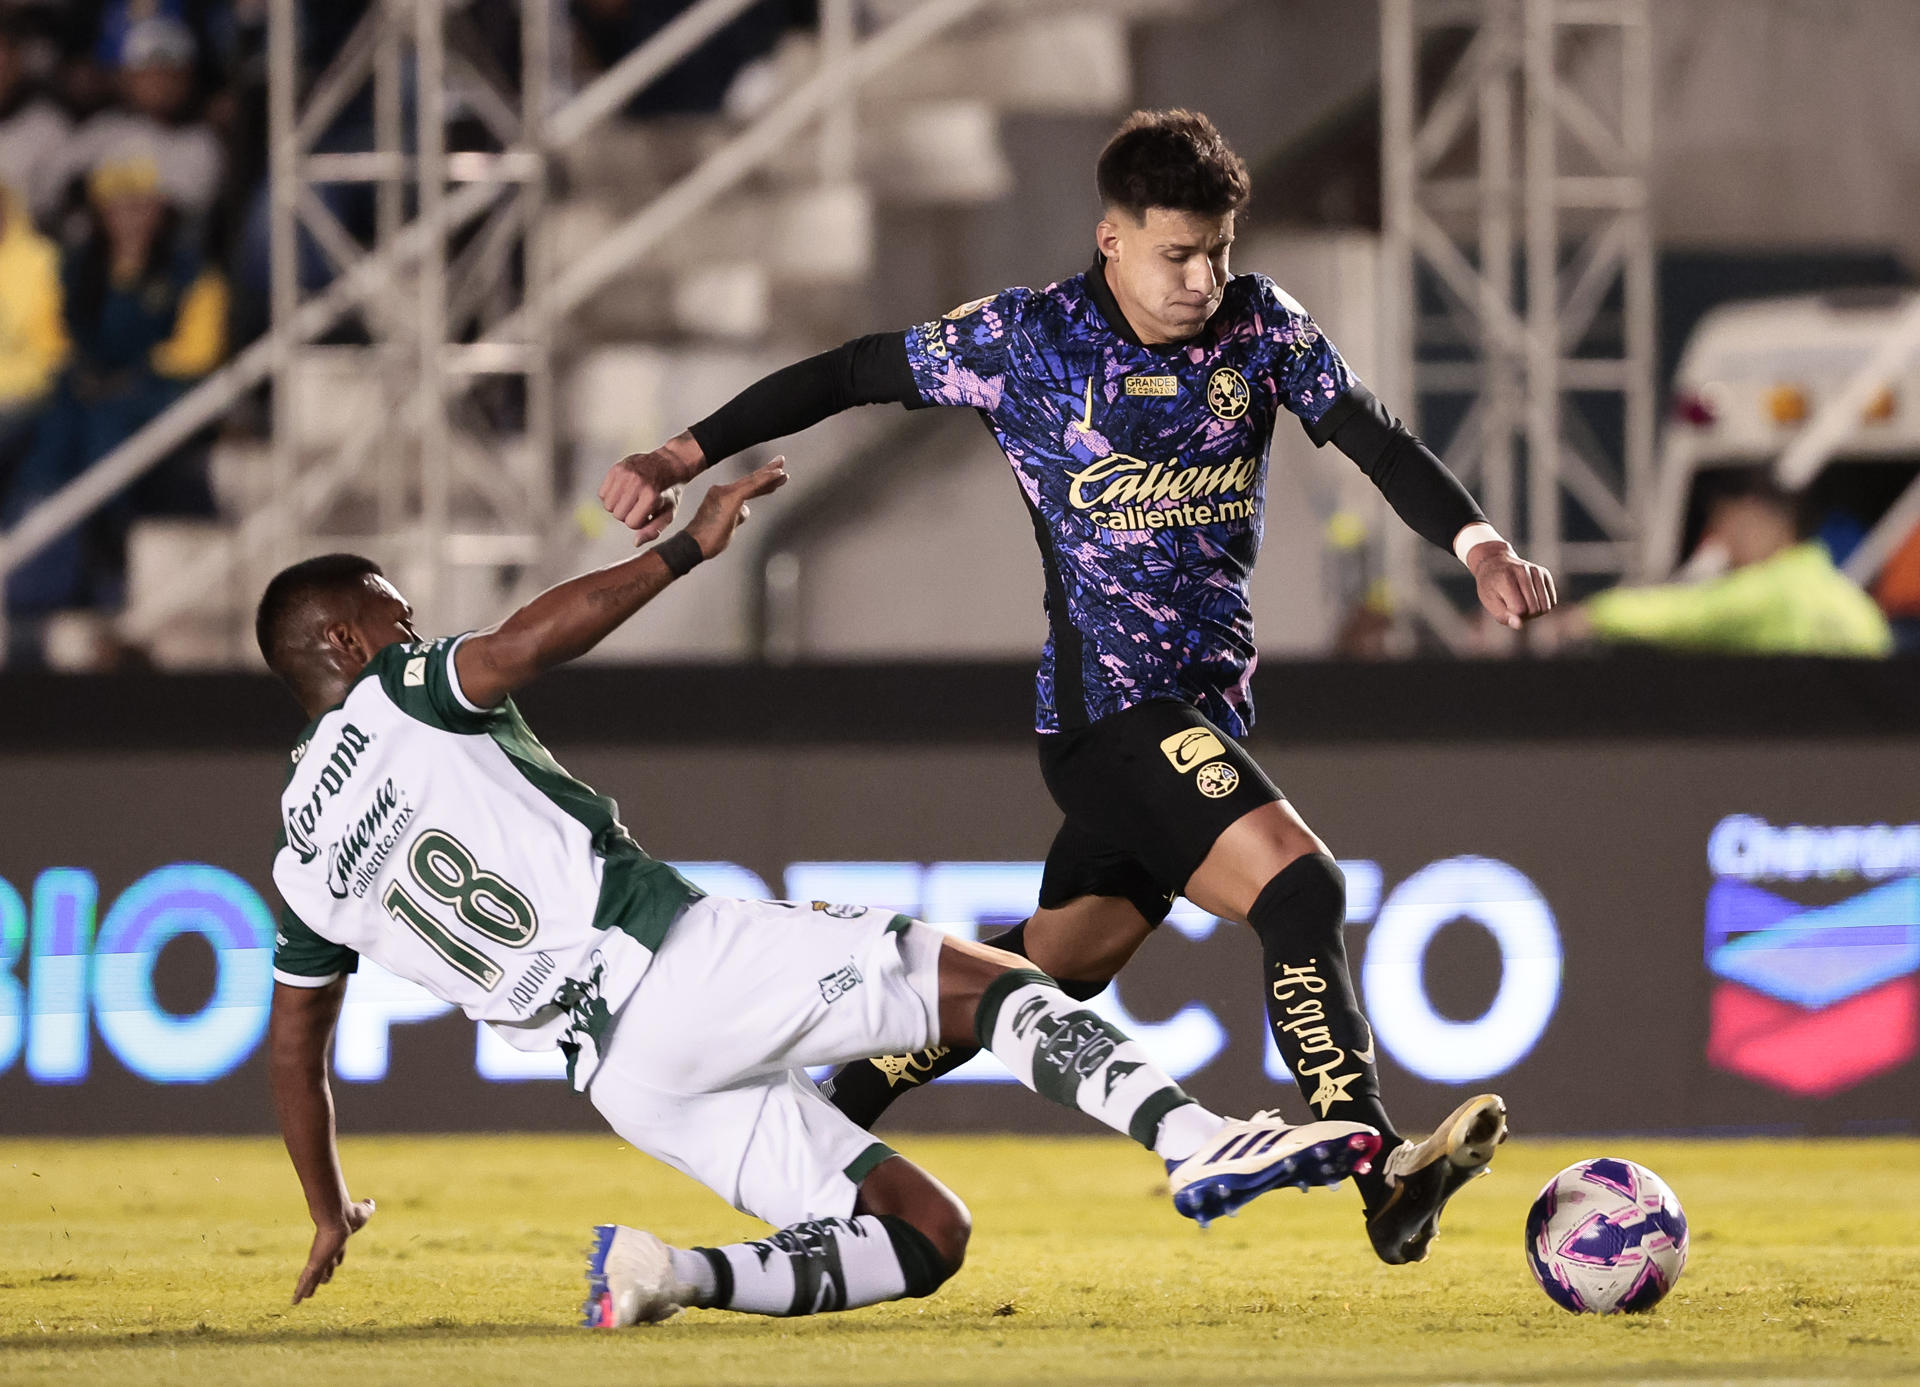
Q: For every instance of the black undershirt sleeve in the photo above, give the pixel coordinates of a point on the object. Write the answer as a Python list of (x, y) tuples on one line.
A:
[(869, 370), (1415, 482)]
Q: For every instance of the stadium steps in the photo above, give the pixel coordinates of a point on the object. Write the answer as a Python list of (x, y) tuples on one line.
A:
[(930, 134), (783, 266)]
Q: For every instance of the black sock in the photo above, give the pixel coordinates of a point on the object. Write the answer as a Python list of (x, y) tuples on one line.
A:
[(1300, 918), (866, 1088)]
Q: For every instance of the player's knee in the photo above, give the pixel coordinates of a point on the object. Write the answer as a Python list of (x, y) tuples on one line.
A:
[(948, 1227), (931, 1243), (925, 1220), (1307, 896)]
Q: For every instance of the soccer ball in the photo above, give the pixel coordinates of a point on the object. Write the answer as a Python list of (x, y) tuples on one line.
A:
[(1606, 1235)]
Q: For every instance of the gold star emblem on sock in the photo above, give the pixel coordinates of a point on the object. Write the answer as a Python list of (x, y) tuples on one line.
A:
[(899, 1069), (1333, 1089)]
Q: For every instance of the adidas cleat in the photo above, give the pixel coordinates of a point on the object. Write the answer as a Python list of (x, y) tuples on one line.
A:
[(1246, 1159), (1422, 1176), (630, 1280)]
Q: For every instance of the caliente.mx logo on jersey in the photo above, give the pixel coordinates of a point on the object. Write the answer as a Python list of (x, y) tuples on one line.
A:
[(354, 859)]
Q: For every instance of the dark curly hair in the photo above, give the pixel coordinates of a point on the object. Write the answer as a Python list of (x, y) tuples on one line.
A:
[(294, 591), (1173, 159)]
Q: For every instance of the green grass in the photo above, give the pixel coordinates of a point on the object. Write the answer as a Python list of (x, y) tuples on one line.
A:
[(171, 1262)]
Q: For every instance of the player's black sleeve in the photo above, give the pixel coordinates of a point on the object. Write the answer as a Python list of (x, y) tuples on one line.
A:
[(1409, 474), (869, 370)]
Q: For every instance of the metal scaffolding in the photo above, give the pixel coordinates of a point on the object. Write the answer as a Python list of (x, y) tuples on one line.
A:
[(449, 487), (450, 289), (1515, 143)]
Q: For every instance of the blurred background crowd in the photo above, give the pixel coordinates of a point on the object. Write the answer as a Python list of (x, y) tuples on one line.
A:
[(135, 257), (133, 230)]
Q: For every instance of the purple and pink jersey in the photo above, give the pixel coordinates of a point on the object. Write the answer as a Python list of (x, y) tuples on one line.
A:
[(1144, 468)]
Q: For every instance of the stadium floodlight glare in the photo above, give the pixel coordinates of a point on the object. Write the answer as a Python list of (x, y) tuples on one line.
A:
[(1508, 906)]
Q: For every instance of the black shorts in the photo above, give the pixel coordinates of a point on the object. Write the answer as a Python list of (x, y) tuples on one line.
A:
[(1147, 792)]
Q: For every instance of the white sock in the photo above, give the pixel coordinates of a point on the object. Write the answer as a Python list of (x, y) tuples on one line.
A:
[(1077, 1058), (696, 1271), (1185, 1130), (810, 1268)]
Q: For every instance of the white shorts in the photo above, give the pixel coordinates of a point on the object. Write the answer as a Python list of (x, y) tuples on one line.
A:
[(705, 1068)]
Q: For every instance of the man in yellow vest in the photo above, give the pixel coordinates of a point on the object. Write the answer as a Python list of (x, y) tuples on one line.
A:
[(1780, 595)]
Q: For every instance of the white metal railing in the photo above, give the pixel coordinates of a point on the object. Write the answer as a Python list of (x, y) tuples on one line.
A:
[(1834, 422), (844, 67), (642, 232)]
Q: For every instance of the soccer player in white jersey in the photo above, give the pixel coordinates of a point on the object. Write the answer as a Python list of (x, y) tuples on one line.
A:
[(425, 827)]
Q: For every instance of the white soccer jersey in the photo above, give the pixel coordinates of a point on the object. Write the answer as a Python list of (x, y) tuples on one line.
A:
[(442, 841)]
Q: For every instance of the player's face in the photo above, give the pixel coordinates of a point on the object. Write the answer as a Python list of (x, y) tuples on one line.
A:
[(385, 618), (1168, 270)]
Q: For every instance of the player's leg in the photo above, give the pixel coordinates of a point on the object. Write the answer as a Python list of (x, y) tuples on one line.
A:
[(855, 1224), (1096, 909), (1078, 1059), (895, 985), (772, 986), (1201, 816), (1268, 869)]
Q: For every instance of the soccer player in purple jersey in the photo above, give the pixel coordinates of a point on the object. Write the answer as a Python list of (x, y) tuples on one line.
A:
[(1136, 403)]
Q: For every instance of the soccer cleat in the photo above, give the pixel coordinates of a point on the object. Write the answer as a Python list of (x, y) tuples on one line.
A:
[(1246, 1159), (1422, 1176), (630, 1280)]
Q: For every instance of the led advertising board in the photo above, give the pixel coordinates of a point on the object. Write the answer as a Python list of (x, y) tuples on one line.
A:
[(1618, 938)]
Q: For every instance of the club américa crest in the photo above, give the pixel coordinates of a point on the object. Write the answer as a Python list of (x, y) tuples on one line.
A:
[(1228, 394), (1217, 779)]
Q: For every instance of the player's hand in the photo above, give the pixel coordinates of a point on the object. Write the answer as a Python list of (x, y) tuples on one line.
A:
[(330, 1247), (642, 490), (725, 506), (1511, 589)]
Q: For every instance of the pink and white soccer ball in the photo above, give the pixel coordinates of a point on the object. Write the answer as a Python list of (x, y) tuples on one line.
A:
[(1606, 1235)]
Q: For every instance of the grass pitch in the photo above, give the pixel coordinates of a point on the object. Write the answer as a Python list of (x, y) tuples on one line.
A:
[(171, 1262)]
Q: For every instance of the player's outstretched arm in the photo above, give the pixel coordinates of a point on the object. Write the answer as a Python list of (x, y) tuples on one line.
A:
[(1430, 499), (642, 490), (570, 618), (298, 1034)]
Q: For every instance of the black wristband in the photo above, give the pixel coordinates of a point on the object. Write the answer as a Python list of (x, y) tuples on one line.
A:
[(681, 553)]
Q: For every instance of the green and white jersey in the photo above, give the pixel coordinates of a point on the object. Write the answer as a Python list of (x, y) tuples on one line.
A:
[(444, 842)]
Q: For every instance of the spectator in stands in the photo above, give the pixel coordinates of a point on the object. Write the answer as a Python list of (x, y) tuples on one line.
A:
[(33, 131), (1781, 594), (155, 120), (32, 341), (144, 314)]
